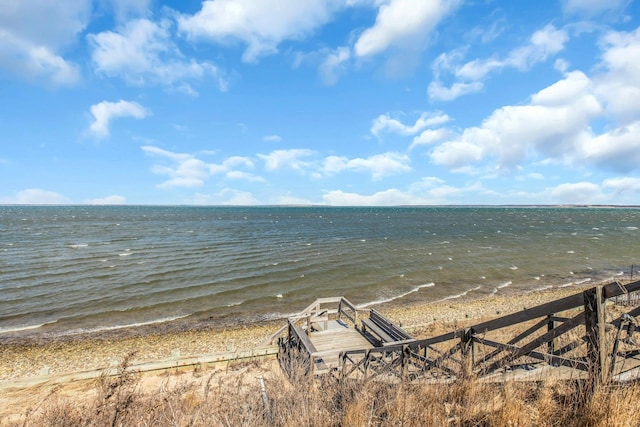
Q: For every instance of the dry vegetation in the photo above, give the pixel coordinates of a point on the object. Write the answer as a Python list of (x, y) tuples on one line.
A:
[(233, 397)]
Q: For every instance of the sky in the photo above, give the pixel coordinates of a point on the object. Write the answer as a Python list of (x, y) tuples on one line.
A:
[(327, 102)]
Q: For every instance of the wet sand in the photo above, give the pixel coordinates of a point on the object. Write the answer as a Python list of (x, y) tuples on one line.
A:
[(30, 357)]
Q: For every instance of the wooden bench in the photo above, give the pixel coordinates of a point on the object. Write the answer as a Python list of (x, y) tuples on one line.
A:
[(369, 325), (384, 329)]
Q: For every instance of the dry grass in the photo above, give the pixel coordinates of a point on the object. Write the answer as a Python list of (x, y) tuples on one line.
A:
[(234, 398)]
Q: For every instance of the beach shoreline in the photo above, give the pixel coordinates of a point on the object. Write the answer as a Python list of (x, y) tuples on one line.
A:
[(36, 356)]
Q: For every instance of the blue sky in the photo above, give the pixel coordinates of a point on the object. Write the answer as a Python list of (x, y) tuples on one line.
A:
[(333, 102)]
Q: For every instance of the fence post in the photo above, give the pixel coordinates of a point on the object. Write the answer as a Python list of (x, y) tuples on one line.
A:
[(466, 345), (550, 325), (404, 362), (366, 364), (594, 316)]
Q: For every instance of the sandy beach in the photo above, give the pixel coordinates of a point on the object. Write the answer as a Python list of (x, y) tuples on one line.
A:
[(28, 358)]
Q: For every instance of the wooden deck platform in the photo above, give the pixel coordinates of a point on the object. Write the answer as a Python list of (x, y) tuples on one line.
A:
[(323, 334), (333, 340)]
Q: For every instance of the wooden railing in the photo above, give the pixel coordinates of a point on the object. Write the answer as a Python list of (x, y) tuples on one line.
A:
[(572, 332), (297, 351), (320, 310)]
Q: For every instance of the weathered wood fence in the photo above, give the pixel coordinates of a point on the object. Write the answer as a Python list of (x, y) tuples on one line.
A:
[(573, 333)]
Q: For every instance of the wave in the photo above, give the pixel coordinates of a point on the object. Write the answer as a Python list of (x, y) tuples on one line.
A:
[(10, 329), (576, 282), (385, 300), (504, 285), (78, 245), (234, 303), (460, 295), (539, 289), (122, 326)]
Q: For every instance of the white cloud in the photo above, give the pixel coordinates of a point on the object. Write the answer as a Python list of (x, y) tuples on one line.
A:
[(261, 24), (231, 163), (229, 168), (292, 200), (156, 151), (306, 162), (577, 193), (619, 85), (272, 138), (554, 125), (385, 123), (379, 165), (142, 52), (227, 196), (333, 65), (232, 197), (459, 155), (43, 22), (36, 196), (125, 9), (402, 21), (430, 136), (105, 111), (188, 173), (391, 197), (533, 175), (617, 150), (36, 62), (438, 92), (240, 198), (561, 65), (109, 200), (592, 8), (245, 176), (185, 170), (427, 191), (542, 44), (621, 190), (623, 185), (187, 89), (32, 34), (288, 159)]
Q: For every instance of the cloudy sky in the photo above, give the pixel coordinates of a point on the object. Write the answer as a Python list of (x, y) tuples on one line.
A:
[(335, 102)]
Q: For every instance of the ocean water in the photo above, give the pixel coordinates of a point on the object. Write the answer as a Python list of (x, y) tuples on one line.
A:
[(71, 269)]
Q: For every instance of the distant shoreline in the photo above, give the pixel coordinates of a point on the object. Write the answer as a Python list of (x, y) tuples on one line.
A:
[(560, 206)]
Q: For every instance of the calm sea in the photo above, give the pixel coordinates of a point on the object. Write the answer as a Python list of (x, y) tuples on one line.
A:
[(71, 269)]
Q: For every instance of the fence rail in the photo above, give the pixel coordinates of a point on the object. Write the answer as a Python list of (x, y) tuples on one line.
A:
[(571, 332)]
